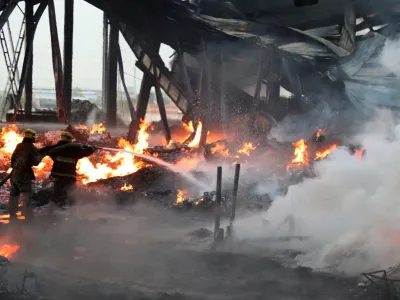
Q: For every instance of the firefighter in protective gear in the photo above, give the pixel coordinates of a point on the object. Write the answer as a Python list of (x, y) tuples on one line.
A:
[(65, 155), (24, 157), (65, 138)]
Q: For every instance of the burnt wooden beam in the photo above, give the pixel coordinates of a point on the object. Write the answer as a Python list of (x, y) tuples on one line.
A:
[(163, 113), (206, 101), (105, 61), (122, 76), (143, 101), (68, 53), (29, 27), (111, 107), (57, 64), (148, 81), (28, 57)]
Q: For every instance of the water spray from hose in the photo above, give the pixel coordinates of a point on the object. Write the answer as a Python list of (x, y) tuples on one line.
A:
[(163, 163)]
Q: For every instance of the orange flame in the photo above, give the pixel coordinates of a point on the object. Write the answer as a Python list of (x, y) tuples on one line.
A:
[(180, 197), (300, 153), (127, 187), (246, 149), (98, 128), (324, 153), (196, 140), (220, 149), (8, 251)]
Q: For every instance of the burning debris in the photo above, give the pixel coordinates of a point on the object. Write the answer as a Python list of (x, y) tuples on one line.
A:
[(123, 174), (7, 250)]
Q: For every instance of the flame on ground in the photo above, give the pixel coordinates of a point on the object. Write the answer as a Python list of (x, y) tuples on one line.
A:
[(180, 196), (8, 251), (196, 140), (221, 149), (324, 153), (359, 153), (246, 149), (127, 187), (300, 154), (98, 128)]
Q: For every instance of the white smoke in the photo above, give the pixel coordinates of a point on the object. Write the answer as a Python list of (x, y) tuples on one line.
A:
[(350, 211)]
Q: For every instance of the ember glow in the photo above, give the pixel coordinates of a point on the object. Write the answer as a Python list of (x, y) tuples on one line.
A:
[(127, 187), (324, 153), (300, 154), (8, 251), (320, 132)]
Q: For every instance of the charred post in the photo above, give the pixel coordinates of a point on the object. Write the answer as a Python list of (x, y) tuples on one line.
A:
[(29, 29), (218, 199), (57, 64), (122, 76), (112, 74), (68, 54), (161, 108), (205, 100), (105, 61), (234, 193)]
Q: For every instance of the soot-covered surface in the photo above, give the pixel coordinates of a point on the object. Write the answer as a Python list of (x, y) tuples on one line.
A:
[(146, 253)]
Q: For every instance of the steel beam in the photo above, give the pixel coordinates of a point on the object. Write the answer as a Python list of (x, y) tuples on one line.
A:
[(29, 29), (68, 54), (57, 64), (111, 106), (28, 57)]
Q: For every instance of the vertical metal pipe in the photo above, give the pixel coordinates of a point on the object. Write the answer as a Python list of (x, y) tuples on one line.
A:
[(234, 193), (29, 31), (218, 199), (68, 54)]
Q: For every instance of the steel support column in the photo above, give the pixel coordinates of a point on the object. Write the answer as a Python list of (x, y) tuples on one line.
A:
[(206, 101), (256, 98), (105, 62), (29, 29), (28, 56), (68, 53), (111, 104)]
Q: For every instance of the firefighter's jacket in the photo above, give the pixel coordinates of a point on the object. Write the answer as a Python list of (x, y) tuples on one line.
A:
[(24, 157), (66, 157), (46, 149)]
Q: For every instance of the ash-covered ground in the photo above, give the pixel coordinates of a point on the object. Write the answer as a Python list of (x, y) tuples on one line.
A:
[(146, 252)]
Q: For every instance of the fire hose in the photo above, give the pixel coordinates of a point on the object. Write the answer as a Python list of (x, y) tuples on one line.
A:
[(5, 179)]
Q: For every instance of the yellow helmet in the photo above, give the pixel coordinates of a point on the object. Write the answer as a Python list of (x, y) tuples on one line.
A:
[(30, 134), (66, 136)]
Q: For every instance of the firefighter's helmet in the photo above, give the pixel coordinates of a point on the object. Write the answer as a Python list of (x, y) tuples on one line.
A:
[(30, 134)]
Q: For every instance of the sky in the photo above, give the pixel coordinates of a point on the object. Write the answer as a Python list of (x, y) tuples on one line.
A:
[(88, 47)]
